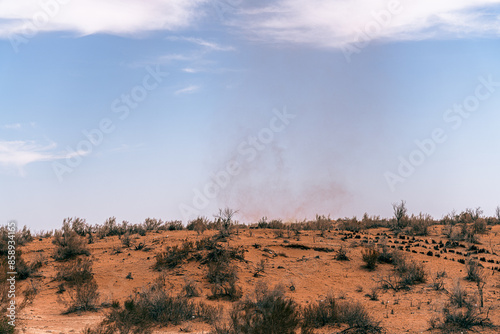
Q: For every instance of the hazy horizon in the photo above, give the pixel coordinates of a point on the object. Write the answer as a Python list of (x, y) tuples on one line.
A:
[(286, 109)]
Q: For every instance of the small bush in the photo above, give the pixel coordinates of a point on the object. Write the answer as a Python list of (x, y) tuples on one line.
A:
[(173, 256), (191, 289), (474, 271), (341, 254), (152, 306), (370, 257), (75, 272), (268, 311), (84, 298), (223, 277), (68, 244), (332, 312), (199, 225)]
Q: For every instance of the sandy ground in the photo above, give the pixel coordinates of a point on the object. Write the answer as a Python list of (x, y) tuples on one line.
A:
[(314, 274)]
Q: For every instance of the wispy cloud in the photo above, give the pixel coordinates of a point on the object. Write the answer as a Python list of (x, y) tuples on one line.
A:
[(14, 126), (335, 23), (20, 153), (187, 90), (208, 45), (121, 17)]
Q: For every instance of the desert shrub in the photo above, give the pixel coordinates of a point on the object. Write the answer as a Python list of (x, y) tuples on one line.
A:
[(341, 254), (19, 237), (400, 215), (267, 311), (414, 274), (370, 257), (78, 225), (22, 268), (174, 225), (419, 225), (406, 273), (223, 277), (474, 271), (174, 256), (68, 244), (332, 312), (459, 297), (373, 221), (385, 254), (126, 240), (325, 312), (199, 225), (461, 312), (84, 297), (152, 224), (152, 306), (224, 220), (191, 289), (438, 280), (75, 272), (350, 224)]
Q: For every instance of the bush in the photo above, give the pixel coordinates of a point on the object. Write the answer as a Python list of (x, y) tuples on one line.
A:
[(75, 272), (174, 256), (223, 277), (474, 271), (152, 306), (199, 225), (84, 298), (370, 257), (332, 312), (191, 289), (68, 244), (341, 254), (269, 311)]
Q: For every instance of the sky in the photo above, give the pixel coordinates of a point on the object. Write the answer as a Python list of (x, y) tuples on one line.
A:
[(285, 109)]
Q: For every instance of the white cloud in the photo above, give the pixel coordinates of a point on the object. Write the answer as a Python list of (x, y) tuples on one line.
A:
[(336, 23), (187, 90), (15, 126), (208, 45), (120, 17), (21, 153)]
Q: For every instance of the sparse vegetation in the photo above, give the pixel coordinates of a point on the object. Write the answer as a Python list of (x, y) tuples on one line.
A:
[(68, 243), (370, 257)]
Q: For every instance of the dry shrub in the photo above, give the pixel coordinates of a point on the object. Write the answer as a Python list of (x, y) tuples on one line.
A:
[(84, 297), (173, 256), (191, 289), (224, 277), (370, 257), (268, 311), (75, 272), (153, 306), (341, 254), (332, 312), (68, 244)]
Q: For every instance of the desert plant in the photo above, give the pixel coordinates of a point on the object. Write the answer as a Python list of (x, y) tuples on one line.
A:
[(84, 297), (400, 214), (75, 272), (332, 312), (225, 221), (68, 244), (268, 311), (474, 271), (199, 225), (191, 288), (370, 257), (341, 254), (126, 240)]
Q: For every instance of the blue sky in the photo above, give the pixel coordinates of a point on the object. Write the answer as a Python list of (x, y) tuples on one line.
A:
[(173, 109)]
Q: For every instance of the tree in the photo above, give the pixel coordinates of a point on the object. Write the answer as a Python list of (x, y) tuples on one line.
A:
[(400, 213)]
